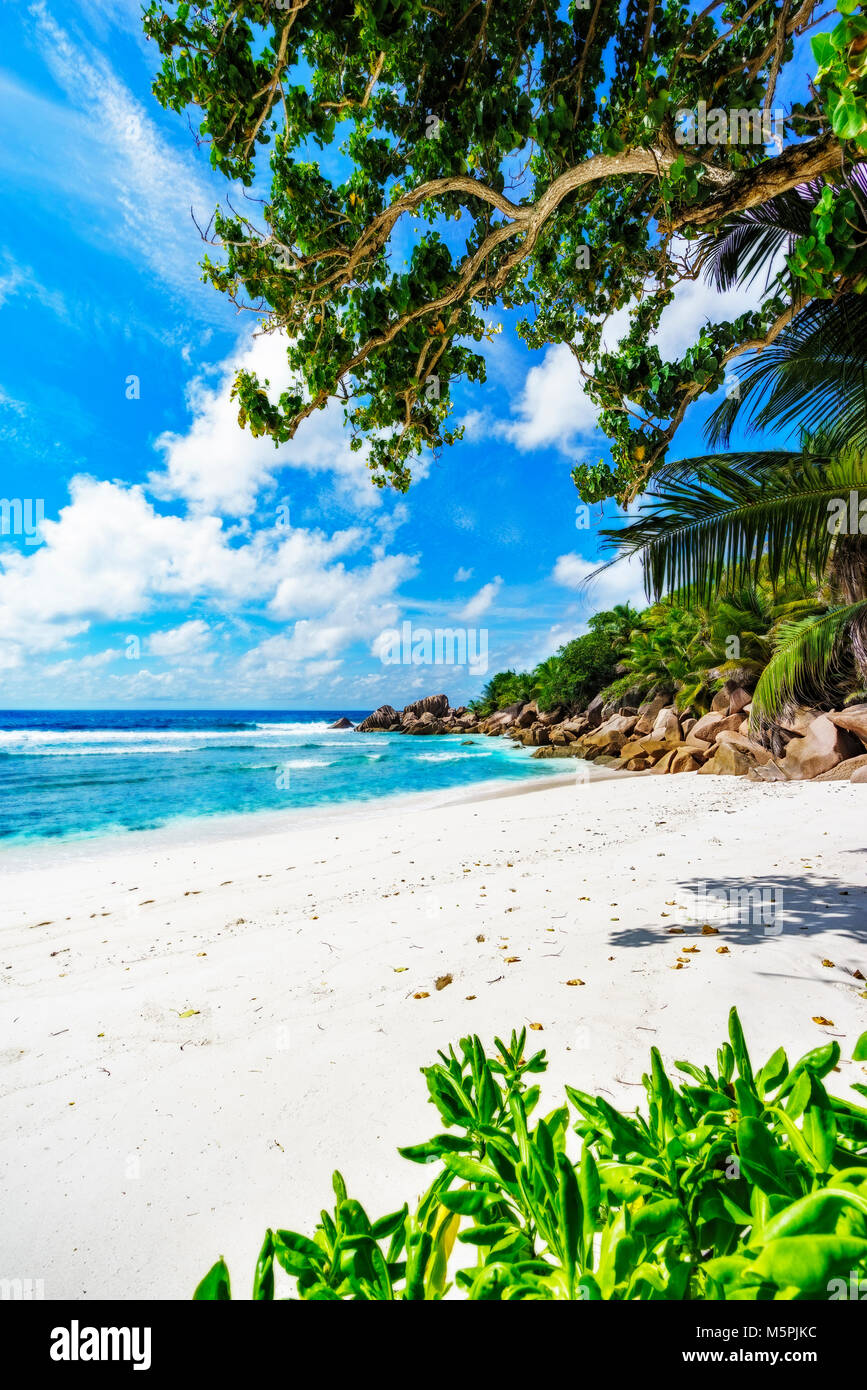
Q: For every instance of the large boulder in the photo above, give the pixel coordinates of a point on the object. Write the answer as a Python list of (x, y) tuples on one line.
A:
[(699, 744), (496, 723), (823, 746), (427, 724), (720, 702), (619, 724), (706, 727), (342, 723), (683, 760), (799, 720), (664, 763), (859, 776), (853, 719), (649, 749), (593, 713), (577, 725), (558, 736), (730, 723), (729, 761), (603, 742), (382, 718), (529, 714), (437, 705), (738, 699), (550, 716), (737, 740), (647, 713), (844, 772), (667, 725)]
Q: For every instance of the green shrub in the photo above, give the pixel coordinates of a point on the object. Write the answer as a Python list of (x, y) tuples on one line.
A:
[(733, 1185)]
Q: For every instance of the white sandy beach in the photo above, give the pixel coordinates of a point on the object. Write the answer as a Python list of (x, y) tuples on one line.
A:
[(139, 1144)]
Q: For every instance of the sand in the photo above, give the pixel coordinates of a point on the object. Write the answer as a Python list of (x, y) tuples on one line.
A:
[(194, 1033)]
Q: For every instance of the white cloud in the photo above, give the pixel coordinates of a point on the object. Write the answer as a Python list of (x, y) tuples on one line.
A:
[(481, 602), (622, 583), (217, 466), (110, 556), (553, 409), (188, 638), (462, 575)]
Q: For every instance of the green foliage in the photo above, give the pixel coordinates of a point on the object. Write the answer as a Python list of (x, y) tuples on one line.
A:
[(582, 667), (573, 675), (504, 689), (421, 164), (733, 518), (734, 1184)]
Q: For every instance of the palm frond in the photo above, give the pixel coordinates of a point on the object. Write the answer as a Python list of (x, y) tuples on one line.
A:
[(735, 521), (738, 251), (814, 373), (809, 660)]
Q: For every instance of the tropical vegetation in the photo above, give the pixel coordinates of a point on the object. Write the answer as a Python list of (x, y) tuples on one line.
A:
[(734, 1183), (411, 166)]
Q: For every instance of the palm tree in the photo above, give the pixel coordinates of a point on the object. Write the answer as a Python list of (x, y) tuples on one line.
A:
[(713, 522), (814, 372), (617, 623)]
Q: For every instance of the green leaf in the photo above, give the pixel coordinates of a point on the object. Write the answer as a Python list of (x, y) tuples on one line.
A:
[(263, 1278), (387, 1225), (215, 1286), (807, 1263), (470, 1169), (760, 1159)]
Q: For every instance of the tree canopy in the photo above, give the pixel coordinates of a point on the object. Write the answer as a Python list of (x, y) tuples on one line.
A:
[(411, 166)]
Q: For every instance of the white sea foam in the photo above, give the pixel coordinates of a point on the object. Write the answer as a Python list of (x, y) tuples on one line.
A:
[(75, 738), (309, 762)]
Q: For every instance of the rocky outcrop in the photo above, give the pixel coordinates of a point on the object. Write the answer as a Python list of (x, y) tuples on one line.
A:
[(426, 724), (853, 719), (706, 727), (738, 699), (594, 711), (845, 771), (619, 724), (823, 746), (437, 705), (381, 718), (655, 737), (798, 721), (738, 740), (729, 761), (667, 725), (342, 723)]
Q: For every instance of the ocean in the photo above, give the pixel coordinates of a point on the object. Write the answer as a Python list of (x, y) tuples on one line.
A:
[(79, 774)]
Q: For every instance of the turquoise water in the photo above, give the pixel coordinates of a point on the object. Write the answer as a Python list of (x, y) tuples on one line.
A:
[(85, 773)]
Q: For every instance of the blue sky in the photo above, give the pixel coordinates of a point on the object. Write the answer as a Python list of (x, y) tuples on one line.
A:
[(180, 562)]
